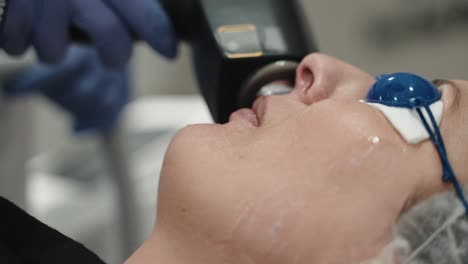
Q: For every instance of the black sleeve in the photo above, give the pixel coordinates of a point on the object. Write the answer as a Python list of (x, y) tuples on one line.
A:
[(23, 239)]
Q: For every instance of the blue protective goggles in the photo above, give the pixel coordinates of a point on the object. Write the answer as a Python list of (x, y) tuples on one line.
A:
[(411, 91)]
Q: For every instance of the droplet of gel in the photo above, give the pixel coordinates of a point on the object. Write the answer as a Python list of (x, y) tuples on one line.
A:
[(374, 140)]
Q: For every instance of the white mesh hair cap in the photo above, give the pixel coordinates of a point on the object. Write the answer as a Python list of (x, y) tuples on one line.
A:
[(435, 231)]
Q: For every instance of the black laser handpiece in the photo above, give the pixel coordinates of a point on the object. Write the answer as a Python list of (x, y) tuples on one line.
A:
[(235, 42)]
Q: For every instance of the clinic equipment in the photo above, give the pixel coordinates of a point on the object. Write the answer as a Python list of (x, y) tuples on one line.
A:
[(233, 41), (238, 46), (406, 90)]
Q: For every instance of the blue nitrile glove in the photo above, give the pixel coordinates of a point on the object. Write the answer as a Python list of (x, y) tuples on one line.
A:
[(45, 24), (93, 94)]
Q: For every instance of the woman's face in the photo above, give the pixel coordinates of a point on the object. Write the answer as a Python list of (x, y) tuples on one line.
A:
[(314, 176)]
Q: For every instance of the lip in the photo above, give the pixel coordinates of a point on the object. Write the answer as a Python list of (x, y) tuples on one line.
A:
[(259, 108), (245, 114)]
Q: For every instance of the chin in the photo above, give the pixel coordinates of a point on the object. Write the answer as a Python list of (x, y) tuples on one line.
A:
[(190, 144), (191, 136)]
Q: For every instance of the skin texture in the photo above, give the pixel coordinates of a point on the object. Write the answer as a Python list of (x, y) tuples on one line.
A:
[(313, 179)]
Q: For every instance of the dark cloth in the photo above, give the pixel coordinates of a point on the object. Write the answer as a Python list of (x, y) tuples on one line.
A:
[(25, 240)]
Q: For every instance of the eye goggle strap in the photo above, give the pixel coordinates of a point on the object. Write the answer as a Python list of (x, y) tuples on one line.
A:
[(448, 174)]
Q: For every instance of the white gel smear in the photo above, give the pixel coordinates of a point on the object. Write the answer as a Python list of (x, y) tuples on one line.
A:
[(407, 121)]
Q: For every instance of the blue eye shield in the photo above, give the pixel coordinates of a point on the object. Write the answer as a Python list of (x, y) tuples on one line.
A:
[(411, 91)]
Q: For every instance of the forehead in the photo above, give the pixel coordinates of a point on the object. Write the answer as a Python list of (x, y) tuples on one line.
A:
[(462, 94), (461, 106), (456, 98)]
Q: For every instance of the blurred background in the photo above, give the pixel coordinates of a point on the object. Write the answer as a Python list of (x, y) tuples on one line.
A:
[(67, 183)]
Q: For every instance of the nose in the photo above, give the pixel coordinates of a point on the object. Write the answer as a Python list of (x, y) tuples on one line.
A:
[(321, 77)]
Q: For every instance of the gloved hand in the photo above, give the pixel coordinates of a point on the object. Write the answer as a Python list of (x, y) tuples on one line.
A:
[(92, 93), (45, 24)]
